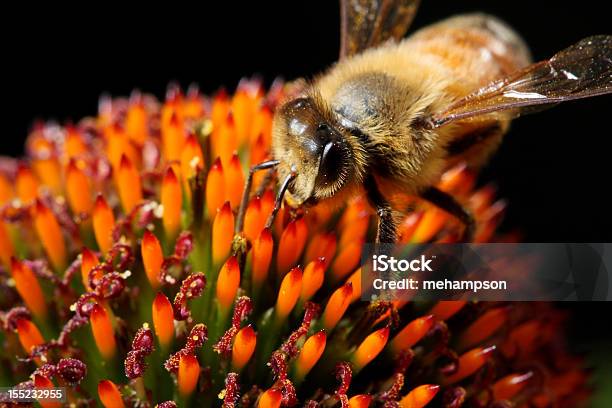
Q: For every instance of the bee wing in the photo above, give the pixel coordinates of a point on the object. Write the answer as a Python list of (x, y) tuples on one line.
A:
[(367, 23), (579, 71)]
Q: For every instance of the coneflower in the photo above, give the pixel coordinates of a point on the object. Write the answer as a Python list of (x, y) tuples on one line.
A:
[(130, 278)]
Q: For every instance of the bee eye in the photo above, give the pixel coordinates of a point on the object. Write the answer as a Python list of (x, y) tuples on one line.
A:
[(332, 160)]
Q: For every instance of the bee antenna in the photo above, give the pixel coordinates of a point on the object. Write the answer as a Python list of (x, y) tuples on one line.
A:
[(280, 196), (247, 191)]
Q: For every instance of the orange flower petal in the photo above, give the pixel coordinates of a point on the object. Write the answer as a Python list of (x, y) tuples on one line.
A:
[(445, 309), (310, 353), (254, 222), (510, 385), (78, 189), (322, 245), (243, 348), (215, 190), (487, 324), (336, 306), (271, 398), (355, 281), (103, 223), (136, 122), (26, 184), (109, 394), (172, 202), (173, 137), (103, 333), (50, 235), (370, 348), (188, 375), (432, 222), (88, 261), (411, 333), (234, 179), (360, 401), (419, 396), (291, 245), (469, 363), (261, 256), (222, 233), (29, 335), (152, 258), (7, 249), (288, 293), (128, 185), (346, 261), (44, 382), (228, 282), (163, 319), (314, 274), (28, 288)]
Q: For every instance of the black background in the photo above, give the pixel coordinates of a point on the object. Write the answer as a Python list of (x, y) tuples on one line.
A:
[(553, 167)]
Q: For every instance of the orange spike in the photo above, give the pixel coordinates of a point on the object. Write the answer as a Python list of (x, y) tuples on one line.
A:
[(262, 127), (163, 319), (288, 293), (243, 108), (261, 256), (128, 185), (6, 190), (258, 153), (456, 180), (406, 229), (487, 324), (103, 223), (44, 382), (222, 233), (26, 184), (267, 203), (314, 274), (411, 333), (522, 339), (227, 283), (310, 353), (28, 288), (103, 333), (215, 188), (74, 145), (445, 309), (291, 245), (172, 202), (346, 261), (152, 258), (50, 235), (78, 189), (510, 385), (220, 108), (355, 281), (188, 375), (321, 245), (360, 401), (370, 348), (469, 363), (29, 335), (192, 159), (7, 249), (243, 348), (173, 137), (109, 394), (254, 222), (270, 399), (88, 261), (234, 178), (419, 396), (48, 171), (225, 142), (432, 222), (137, 122), (336, 306), (355, 229)]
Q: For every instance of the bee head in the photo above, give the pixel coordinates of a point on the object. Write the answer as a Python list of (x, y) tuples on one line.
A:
[(306, 139)]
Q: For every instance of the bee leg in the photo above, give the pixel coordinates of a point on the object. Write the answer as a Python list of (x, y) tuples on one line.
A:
[(270, 164), (279, 198), (446, 202), (386, 232)]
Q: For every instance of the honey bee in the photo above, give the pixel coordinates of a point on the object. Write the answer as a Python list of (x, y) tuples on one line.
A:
[(393, 113)]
